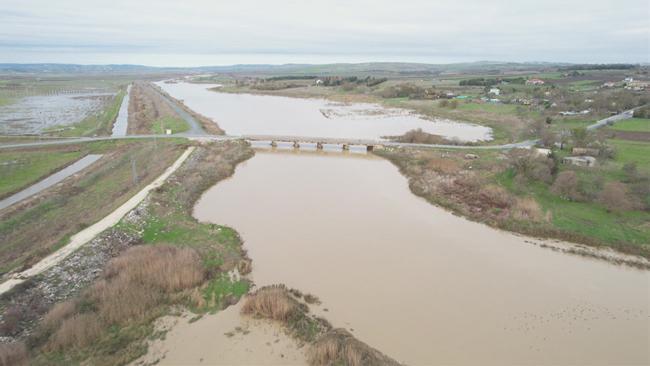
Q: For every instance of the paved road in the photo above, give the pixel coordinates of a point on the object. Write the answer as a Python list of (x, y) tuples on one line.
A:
[(197, 133), (50, 180), (609, 120), (195, 126)]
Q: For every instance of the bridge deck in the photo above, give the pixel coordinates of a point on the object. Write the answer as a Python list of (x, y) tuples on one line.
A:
[(313, 140)]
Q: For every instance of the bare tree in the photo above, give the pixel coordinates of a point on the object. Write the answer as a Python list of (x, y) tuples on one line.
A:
[(566, 185), (614, 197)]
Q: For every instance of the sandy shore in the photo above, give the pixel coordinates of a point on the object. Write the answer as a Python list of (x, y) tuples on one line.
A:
[(224, 338)]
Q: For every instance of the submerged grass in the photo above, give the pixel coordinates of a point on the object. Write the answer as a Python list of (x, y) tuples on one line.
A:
[(327, 346), (98, 124)]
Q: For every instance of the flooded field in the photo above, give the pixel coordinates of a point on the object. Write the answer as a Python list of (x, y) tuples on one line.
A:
[(246, 114), (36, 113), (416, 282)]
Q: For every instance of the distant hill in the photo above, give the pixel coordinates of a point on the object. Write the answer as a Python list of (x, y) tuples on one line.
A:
[(73, 68), (376, 68)]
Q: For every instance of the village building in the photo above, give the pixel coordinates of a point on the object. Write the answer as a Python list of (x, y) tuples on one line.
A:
[(574, 113), (586, 161), (637, 85), (539, 151), (534, 82), (584, 151)]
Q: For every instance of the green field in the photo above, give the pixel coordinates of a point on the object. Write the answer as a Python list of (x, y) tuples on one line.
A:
[(632, 152), (19, 169), (587, 219), (634, 124), (570, 123), (177, 125)]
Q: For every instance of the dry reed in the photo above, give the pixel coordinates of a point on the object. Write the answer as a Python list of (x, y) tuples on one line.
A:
[(13, 354)]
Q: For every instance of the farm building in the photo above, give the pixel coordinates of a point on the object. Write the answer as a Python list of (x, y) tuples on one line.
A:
[(587, 161), (534, 82)]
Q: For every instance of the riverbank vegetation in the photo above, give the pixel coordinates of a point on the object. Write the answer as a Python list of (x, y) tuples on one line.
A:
[(326, 346), (175, 262), (528, 192)]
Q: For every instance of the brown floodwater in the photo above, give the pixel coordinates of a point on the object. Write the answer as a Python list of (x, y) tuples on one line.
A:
[(418, 283), (247, 114)]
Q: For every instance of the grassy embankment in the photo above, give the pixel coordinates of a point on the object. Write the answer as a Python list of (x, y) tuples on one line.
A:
[(98, 124), (490, 190), (36, 227), (181, 262), (208, 125), (19, 169), (176, 125), (150, 114)]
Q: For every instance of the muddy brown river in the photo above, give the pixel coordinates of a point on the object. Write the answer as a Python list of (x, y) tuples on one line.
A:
[(247, 114), (418, 283)]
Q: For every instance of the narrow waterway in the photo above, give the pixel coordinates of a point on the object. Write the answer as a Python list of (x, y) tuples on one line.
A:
[(247, 114), (418, 283), (121, 124)]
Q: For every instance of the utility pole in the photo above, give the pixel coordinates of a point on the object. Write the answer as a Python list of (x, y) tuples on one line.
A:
[(134, 172)]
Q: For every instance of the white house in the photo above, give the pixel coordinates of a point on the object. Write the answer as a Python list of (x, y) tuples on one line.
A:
[(580, 160), (495, 91), (534, 82)]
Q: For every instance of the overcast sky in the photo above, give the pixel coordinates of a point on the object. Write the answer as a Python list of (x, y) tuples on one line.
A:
[(217, 32)]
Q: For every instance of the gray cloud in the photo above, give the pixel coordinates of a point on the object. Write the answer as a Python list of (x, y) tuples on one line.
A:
[(167, 32)]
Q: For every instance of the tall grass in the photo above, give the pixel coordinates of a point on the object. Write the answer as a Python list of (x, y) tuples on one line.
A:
[(79, 330), (339, 347), (130, 290), (328, 346), (272, 302), (13, 354), (276, 303)]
